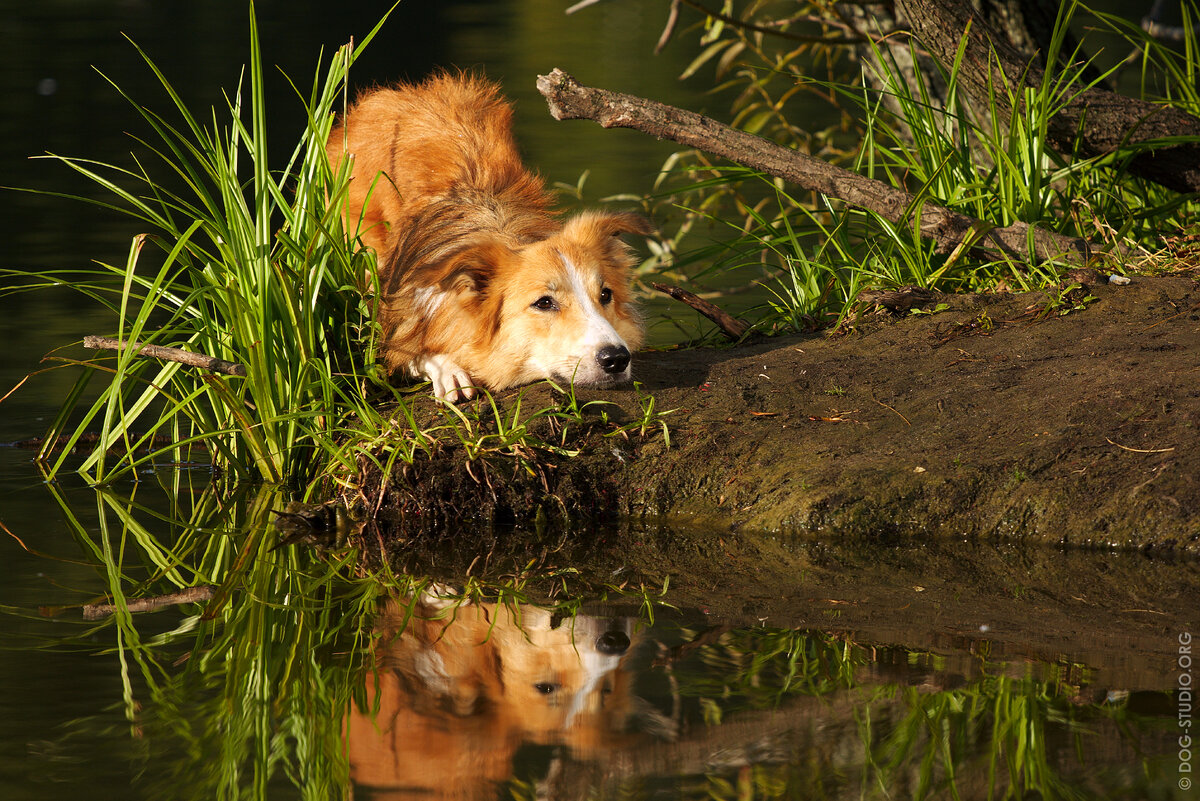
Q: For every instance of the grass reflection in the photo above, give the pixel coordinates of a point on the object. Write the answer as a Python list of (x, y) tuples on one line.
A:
[(248, 690), (308, 675)]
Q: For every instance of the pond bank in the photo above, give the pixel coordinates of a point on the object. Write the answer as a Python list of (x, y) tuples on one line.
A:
[(1000, 416)]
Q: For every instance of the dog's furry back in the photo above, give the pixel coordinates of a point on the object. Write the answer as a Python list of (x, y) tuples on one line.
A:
[(448, 139), (448, 206)]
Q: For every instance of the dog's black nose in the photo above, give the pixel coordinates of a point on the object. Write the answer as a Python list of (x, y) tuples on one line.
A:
[(613, 358), (613, 642)]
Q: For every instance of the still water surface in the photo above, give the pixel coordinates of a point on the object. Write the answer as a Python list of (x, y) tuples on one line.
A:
[(509, 700)]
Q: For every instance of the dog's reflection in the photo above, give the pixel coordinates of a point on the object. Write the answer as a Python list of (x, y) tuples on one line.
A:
[(460, 688)]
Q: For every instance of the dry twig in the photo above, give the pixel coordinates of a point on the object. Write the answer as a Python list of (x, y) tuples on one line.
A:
[(168, 355), (732, 327), (188, 595)]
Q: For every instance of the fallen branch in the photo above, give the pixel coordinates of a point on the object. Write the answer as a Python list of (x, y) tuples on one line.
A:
[(168, 355), (189, 595), (730, 325), (569, 100)]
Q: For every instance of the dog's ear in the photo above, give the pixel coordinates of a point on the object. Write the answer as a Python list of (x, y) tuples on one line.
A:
[(626, 222)]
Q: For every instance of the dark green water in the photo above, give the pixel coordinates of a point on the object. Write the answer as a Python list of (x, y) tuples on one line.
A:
[(690, 709)]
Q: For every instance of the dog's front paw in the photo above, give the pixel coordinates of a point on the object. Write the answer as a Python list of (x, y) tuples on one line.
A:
[(449, 380)]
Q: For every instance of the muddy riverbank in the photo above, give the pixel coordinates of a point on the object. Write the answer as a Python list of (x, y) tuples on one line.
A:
[(1009, 416), (1000, 416)]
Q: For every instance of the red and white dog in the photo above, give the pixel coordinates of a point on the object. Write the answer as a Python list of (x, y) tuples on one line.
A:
[(479, 284)]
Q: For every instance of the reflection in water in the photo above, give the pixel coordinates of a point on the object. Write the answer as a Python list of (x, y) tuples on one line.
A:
[(296, 678), (460, 689), (490, 700)]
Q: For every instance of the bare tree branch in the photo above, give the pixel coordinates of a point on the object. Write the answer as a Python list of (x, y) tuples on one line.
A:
[(569, 100), (168, 355), (188, 595), (731, 326)]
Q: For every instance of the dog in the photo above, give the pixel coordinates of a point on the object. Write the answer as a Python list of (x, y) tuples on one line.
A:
[(479, 284)]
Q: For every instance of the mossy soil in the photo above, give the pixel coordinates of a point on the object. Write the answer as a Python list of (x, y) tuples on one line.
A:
[(1018, 470)]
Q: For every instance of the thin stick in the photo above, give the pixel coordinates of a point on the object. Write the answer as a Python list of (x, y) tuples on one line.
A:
[(168, 355), (570, 100), (1140, 450), (669, 28), (188, 595), (730, 325), (884, 405)]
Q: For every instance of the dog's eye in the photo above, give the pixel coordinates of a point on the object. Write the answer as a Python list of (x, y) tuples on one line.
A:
[(545, 303), (605, 296), (546, 687)]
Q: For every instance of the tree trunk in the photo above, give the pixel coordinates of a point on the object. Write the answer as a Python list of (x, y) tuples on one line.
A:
[(1095, 122)]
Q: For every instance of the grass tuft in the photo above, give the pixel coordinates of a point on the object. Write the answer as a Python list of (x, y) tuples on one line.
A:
[(255, 269)]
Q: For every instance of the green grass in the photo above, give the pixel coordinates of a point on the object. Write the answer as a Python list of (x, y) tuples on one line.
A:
[(252, 265), (814, 255)]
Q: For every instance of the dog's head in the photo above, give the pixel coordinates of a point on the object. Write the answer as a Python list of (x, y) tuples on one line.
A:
[(559, 307)]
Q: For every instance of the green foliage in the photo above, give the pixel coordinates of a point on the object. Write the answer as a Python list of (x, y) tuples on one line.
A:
[(914, 129), (257, 270)]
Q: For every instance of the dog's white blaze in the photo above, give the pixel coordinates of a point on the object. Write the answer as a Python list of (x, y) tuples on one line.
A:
[(595, 667), (599, 331)]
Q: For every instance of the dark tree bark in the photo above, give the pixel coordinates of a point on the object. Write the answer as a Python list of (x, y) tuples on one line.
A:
[(949, 229), (1094, 123), (1028, 25)]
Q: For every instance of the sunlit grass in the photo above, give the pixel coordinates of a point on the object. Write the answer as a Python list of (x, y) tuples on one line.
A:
[(814, 256), (255, 269), (251, 264)]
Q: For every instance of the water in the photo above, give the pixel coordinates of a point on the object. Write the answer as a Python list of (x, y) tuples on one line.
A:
[(692, 706)]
